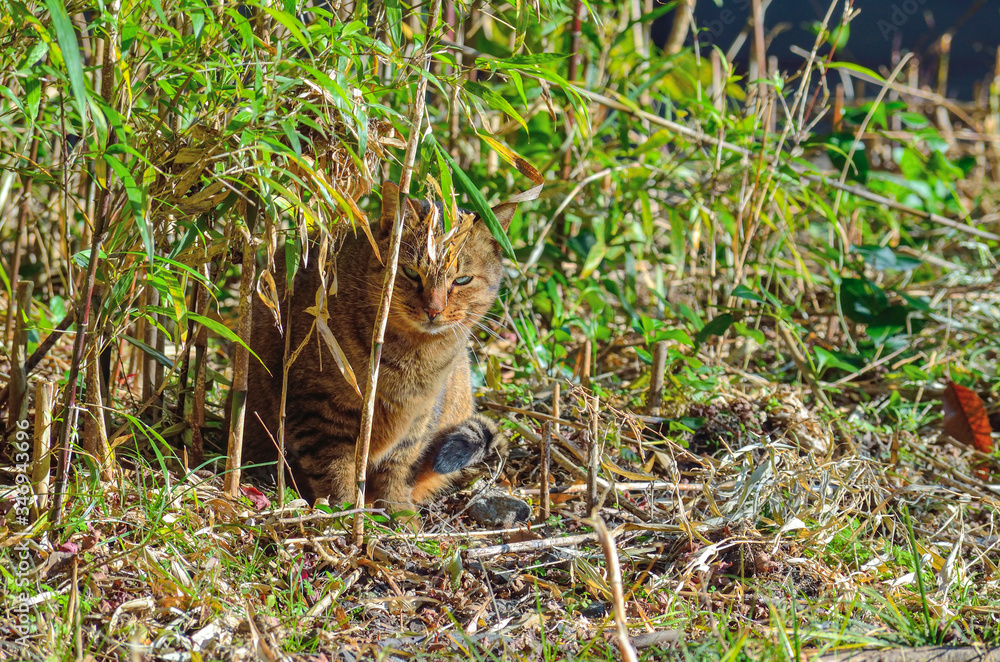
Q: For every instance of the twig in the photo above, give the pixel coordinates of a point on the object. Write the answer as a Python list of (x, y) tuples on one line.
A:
[(537, 415), (368, 412), (530, 545), (615, 579), (621, 487)]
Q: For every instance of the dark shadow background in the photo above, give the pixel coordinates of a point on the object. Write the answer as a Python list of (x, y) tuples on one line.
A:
[(883, 26)]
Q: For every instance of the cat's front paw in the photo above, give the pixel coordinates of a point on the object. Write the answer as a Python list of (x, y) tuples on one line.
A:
[(466, 444)]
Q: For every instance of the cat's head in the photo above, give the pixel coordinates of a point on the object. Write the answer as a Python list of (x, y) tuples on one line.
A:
[(446, 282)]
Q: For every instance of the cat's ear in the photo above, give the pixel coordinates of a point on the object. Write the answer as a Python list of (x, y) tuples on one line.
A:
[(504, 213), (390, 200)]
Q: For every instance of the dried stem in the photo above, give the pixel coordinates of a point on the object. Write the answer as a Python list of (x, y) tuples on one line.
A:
[(368, 412), (544, 508), (618, 595), (41, 459), (593, 455)]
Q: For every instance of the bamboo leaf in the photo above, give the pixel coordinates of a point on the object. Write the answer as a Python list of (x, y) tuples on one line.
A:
[(136, 201), (479, 204), (495, 101), (70, 48)]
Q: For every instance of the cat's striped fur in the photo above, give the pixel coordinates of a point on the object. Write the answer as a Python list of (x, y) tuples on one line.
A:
[(425, 431)]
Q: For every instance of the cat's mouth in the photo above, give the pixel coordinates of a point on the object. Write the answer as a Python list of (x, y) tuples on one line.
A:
[(433, 327), (421, 324)]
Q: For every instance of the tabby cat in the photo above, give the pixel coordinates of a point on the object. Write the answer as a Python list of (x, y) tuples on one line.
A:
[(425, 432)]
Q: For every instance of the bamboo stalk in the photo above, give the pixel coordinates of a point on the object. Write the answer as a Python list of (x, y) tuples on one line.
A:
[(574, 59), (544, 508), (593, 456), (41, 459), (656, 386), (241, 366), (286, 366), (759, 50), (19, 236), (95, 434), (583, 364), (41, 351), (556, 406), (19, 341), (943, 63), (378, 339), (718, 83), (150, 334), (197, 415), (84, 297), (680, 27), (574, 67), (838, 107)]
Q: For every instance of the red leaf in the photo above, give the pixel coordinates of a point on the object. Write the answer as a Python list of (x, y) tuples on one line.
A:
[(965, 417), (257, 498)]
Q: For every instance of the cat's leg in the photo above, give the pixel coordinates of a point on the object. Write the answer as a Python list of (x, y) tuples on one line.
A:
[(451, 452), (324, 468)]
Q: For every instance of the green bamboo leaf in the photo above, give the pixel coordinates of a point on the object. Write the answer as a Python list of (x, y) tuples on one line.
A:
[(479, 203), (220, 329), (70, 48), (394, 17), (135, 200), (293, 24), (495, 101), (850, 66), (159, 356)]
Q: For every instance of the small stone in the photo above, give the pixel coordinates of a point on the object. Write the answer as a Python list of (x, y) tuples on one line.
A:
[(594, 610), (499, 511)]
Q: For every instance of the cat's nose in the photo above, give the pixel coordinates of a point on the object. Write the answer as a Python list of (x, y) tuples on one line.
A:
[(431, 314)]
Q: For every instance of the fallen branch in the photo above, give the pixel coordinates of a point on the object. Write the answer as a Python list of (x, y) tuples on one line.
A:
[(530, 545)]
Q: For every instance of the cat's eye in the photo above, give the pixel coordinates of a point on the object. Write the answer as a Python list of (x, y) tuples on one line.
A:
[(411, 274), (463, 280)]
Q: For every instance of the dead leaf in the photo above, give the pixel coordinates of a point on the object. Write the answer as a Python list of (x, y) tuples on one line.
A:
[(257, 498), (268, 293), (965, 417)]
